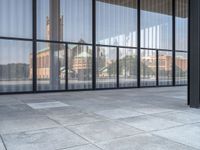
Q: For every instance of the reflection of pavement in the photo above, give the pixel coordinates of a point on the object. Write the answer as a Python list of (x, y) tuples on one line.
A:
[(3, 83), (16, 86)]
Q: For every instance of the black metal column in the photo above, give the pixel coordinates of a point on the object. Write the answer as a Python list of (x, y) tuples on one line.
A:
[(34, 53), (118, 86), (173, 42), (138, 43), (194, 49), (188, 87), (94, 44), (66, 67), (157, 68)]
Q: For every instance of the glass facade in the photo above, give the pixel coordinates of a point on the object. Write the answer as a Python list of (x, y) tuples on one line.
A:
[(148, 68), (165, 67), (181, 68), (182, 25), (65, 20), (79, 67), (50, 66), (60, 45), (156, 24), (181, 42), (116, 22), (15, 66), (16, 18), (106, 67), (128, 67)]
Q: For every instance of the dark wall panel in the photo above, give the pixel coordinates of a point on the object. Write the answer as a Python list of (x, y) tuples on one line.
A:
[(194, 54)]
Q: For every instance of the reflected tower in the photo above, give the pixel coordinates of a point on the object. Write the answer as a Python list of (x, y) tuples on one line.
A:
[(54, 31)]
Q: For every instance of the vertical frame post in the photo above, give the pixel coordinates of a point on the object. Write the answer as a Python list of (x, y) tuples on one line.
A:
[(138, 42), (194, 83), (94, 44), (34, 53), (157, 68), (188, 94), (174, 42), (118, 67), (66, 66)]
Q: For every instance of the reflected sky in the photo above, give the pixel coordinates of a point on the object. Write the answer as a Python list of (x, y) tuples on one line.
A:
[(16, 18), (115, 24), (77, 17), (15, 51)]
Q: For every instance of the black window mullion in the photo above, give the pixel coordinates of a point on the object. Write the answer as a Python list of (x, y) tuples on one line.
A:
[(118, 67), (157, 68), (138, 43), (34, 55), (66, 67), (94, 44), (174, 42)]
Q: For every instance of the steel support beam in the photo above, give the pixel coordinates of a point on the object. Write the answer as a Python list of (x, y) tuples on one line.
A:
[(194, 54)]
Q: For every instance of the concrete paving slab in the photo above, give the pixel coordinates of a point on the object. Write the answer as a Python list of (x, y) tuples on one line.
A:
[(30, 128), (153, 109), (6, 109), (149, 123), (84, 147), (188, 135), (118, 113), (9, 112), (5, 100), (47, 105), (61, 111), (23, 97), (77, 119), (48, 139), (1, 145), (143, 142), (103, 131), (182, 117), (26, 124)]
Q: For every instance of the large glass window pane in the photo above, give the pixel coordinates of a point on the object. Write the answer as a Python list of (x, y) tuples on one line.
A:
[(50, 66), (15, 66), (16, 18), (148, 68), (156, 24), (165, 67), (181, 68), (127, 67), (116, 22), (79, 67), (106, 67), (182, 25), (65, 20)]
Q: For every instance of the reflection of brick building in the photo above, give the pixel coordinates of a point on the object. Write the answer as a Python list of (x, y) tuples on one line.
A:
[(43, 55), (43, 64), (182, 63), (149, 64), (165, 62), (80, 62)]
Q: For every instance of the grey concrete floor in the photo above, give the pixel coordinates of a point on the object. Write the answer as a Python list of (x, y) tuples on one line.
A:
[(130, 119)]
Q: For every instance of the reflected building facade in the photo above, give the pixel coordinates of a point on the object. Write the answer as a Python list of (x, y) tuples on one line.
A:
[(92, 44)]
